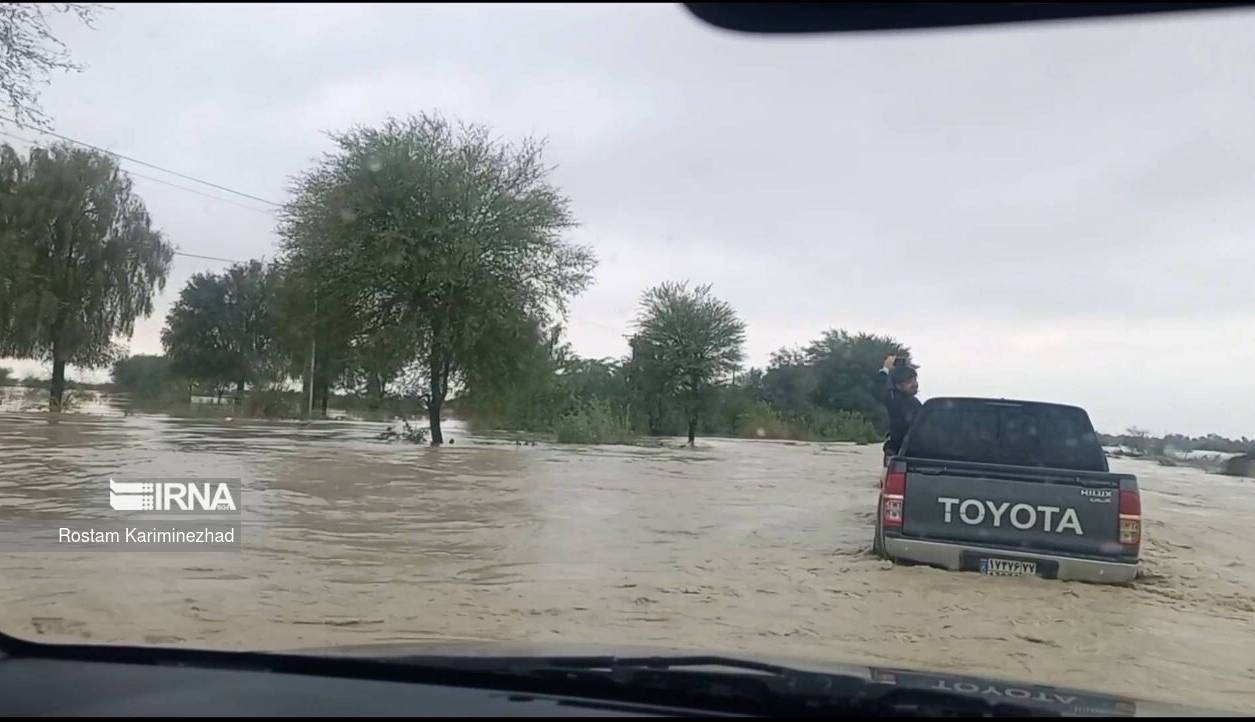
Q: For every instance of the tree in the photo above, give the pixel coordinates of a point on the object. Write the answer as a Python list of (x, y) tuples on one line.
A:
[(82, 258), (6, 376), (148, 378), (345, 354), (438, 228), (374, 361), (29, 53), (687, 342), (518, 378), (221, 329), (1138, 439), (845, 366), (790, 382)]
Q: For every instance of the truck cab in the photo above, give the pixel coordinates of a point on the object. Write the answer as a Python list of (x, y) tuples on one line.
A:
[(1009, 488)]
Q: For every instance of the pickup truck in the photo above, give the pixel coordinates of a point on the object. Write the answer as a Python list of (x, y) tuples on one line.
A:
[(1008, 488)]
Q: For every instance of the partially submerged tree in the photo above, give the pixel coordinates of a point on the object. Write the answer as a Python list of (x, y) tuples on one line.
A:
[(437, 228), (687, 344), (83, 261)]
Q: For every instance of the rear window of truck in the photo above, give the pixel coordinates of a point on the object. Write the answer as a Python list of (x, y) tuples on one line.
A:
[(1005, 432)]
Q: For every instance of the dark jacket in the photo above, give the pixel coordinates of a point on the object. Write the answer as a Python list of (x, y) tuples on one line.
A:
[(902, 409)]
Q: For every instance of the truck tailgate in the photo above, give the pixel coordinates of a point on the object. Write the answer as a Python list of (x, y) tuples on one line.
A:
[(1014, 508)]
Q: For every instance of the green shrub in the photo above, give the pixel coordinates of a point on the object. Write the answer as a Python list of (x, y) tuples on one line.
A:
[(841, 426), (763, 422), (595, 423)]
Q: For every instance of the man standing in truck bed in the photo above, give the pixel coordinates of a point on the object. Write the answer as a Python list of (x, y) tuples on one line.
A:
[(901, 386)]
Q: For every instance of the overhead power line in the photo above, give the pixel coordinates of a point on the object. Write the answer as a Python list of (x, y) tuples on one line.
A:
[(207, 258), (154, 166), (237, 204), (269, 213), (173, 185)]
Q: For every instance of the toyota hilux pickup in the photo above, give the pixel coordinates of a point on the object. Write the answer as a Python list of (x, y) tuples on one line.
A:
[(1008, 488)]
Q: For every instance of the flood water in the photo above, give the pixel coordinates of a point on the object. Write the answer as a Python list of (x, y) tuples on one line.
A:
[(736, 546)]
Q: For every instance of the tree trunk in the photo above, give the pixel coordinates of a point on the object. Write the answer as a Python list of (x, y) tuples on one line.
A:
[(326, 391), (374, 391), (57, 388), (692, 430), (435, 401), (433, 417), (239, 394)]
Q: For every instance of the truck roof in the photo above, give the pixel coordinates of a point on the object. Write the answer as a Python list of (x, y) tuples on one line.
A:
[(1009, 402)]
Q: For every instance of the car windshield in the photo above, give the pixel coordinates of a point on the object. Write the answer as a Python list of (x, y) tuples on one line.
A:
[(540, 329)]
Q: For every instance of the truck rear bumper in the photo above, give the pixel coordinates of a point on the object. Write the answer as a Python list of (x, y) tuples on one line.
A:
[(949, 556)]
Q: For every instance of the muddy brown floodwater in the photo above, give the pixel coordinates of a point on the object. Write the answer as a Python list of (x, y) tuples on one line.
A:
[(736, 546)]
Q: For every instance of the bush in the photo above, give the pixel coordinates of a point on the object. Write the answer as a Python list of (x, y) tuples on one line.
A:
[(271, 404), (763, 422), (595, 423), (841, 426)]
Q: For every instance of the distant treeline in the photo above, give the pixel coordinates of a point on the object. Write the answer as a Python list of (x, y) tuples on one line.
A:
[(828, 390), (1143, 442), (34, 382)]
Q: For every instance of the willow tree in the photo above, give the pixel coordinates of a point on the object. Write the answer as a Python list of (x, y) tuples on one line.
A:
[(687, 343), (83, 261), (439, 229)]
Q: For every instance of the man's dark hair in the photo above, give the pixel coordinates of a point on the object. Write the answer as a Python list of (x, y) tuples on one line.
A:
[(901, 374)]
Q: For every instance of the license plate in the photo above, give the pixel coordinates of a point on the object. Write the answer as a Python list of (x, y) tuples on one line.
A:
[(1007, 568)]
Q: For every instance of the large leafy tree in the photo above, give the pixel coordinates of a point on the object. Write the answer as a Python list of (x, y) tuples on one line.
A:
[(221, 329), (688, 342), (82, 260), (438, 228), (790, 381), (844, 367)]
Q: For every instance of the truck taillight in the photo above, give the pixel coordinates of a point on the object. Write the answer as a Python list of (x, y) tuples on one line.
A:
[(891, 496), (1130, 517)]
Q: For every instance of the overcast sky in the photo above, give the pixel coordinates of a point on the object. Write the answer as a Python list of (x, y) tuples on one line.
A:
[(1062, 213)]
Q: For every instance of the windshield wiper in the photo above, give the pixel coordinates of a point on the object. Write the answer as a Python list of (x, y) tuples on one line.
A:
[(698, 684), (728, 684)]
